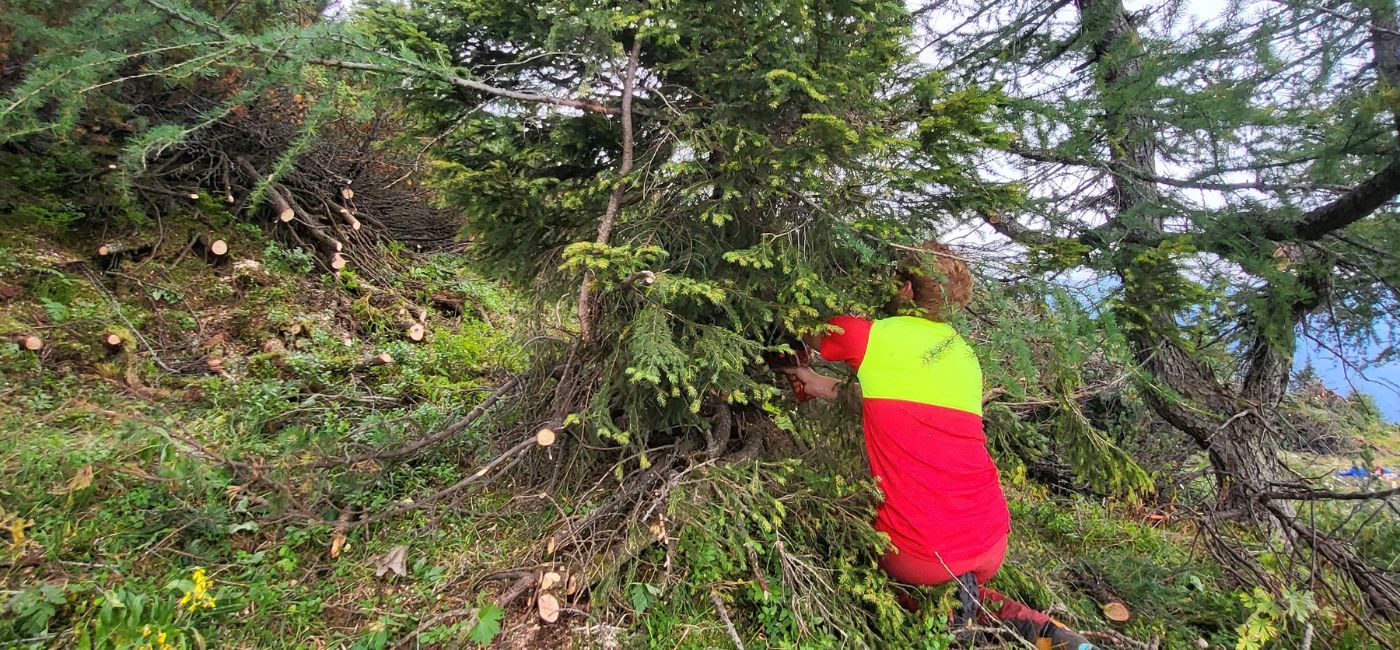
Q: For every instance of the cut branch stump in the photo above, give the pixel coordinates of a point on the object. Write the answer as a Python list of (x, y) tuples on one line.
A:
[(375, 360), (210, 248), (112, 341), (548, 607), (545, 437)]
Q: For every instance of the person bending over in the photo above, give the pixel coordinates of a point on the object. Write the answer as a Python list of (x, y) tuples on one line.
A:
[(921, 387)]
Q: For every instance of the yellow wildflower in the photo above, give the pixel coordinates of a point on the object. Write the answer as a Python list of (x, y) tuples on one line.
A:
[(198, 596)]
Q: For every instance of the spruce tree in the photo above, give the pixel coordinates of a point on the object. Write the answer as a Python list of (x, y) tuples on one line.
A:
[(764, 140)]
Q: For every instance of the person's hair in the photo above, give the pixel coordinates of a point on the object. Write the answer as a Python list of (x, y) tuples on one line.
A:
[(942, 283)]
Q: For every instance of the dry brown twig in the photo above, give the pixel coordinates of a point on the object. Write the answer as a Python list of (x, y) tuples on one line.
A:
[(422, 443), (724, 616)]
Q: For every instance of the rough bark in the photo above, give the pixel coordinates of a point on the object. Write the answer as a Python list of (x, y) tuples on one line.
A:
[(1235, 433), (1385, 47), (1268, 363), (1187, 393)]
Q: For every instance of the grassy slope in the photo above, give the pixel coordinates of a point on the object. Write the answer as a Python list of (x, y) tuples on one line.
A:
[(152, 510), (106, 503)]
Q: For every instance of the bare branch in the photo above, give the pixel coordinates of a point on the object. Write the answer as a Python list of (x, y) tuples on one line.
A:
[(411, 448), (724, 616), (1326, 495), (625, 168), (1347, 209), (1017, 232), (1192, 183), (585, 291), (1350, 19), (1356, 203), (461, 82)]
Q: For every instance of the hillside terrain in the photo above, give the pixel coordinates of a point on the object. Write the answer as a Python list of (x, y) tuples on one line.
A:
[(140, 479), (455, 323)]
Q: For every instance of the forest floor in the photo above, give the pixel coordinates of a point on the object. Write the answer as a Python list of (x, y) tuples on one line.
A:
[(179, 491)]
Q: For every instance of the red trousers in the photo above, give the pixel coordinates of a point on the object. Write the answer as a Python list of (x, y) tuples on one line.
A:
[(907, 568)]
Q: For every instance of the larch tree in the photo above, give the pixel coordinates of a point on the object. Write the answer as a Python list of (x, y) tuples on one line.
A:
[(1232, 183)]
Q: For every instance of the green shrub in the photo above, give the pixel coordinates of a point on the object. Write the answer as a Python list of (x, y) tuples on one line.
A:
[(287, 261)]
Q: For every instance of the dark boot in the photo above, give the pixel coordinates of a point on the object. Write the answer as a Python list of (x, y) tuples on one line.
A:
[(1062, 638), (1045, 632)]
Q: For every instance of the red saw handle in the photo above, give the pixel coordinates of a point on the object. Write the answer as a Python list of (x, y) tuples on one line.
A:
[(801, 357), (799, 389)]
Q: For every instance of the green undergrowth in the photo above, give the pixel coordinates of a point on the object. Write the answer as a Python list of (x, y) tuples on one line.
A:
[(145, 508), (121, 532), (796, 553), (1071, 556), (787, 548)]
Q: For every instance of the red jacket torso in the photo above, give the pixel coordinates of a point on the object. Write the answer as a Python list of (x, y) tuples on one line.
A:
[(922, 391)]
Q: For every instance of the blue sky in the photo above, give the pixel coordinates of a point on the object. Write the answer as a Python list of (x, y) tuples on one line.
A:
[(1380, 381)]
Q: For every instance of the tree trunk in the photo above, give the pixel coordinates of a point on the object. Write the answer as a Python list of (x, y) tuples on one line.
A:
[(1268, 363), (1186, 393), (1236, 433), (1235, 428)]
